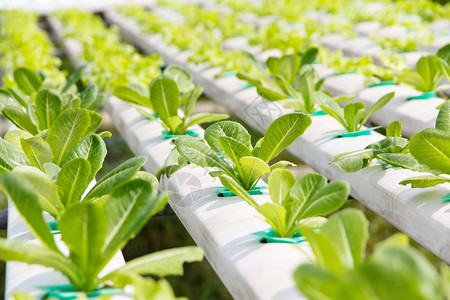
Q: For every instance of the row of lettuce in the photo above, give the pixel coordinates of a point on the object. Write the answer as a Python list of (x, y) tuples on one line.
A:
[(211, 27), (49, 164), (386, 12), (299, 204), (342, 15), (339, 244)]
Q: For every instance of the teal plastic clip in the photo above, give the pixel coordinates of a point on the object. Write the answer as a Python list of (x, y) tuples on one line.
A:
[(383, 83), (67, 291), (356, 133), (318, 112), (342, 73), (385, 165), (53, 227), (229, 73), (426, 95), (446, 198), (224, 192), (148, 118), (191, 132), (269, 236)]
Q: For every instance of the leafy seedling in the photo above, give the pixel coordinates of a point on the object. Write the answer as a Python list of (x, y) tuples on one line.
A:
[(295, 203), (34, 109), (70, 136), (427, 151), (429, 72), (164, 99), (292, 81), (342, 271), (59, 189), (353, 116), (94, 231), (242, 162), (431, 148), (354, 161)]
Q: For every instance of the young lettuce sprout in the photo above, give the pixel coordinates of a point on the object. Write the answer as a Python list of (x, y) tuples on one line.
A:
[(292, 81), (34, 108), (427, 151), (431, 148), (164, 99), (295, 203), (55, 196), (342, 271), (243, 162), (353, 116), (93, 231), (356, 160), (429, 72), (71, 135)]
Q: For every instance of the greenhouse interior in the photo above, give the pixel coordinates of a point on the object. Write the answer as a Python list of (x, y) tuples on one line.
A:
[(225, 149)]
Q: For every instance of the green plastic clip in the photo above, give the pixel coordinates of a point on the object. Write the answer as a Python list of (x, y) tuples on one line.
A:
[(383, 83), (67, 291), (53, 227), (426, 95), (446, 198), (269, 236), (356, 133), (191, 132), (318, 112), (224, 192)]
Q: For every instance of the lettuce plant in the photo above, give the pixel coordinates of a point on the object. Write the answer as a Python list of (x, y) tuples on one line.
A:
[(353, 116), (165, 100), (93, 231), (356, 160), (343, 271), (292, 82), (71, 130), (430, 148), (295, 202), (242, 162), (427, 151), (34, 108), (429, 72), (60, 189)]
